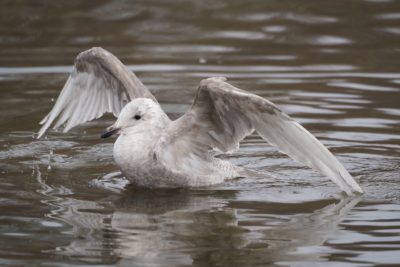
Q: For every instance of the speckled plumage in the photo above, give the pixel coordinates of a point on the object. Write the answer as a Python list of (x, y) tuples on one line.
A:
[(154, 151), (138, 152)]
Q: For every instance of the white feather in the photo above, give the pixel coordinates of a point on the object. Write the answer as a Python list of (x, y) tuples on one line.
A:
[(222, 115), (99, 83)]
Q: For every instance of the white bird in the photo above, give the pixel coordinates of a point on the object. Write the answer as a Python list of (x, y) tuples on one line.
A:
[(153, 151)]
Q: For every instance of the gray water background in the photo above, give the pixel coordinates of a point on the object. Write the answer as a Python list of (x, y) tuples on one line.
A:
[(332, 65)]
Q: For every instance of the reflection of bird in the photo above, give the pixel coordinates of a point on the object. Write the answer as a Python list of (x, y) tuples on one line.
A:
[(154, 151), (183, 227)]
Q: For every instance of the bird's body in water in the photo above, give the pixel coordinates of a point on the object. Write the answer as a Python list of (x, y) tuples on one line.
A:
[(137, 149), (154, 151)]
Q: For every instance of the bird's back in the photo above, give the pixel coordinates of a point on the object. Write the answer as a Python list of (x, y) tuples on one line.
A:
[(137, 154)]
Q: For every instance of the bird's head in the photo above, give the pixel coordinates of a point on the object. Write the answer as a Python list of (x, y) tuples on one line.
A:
[(137, 112)]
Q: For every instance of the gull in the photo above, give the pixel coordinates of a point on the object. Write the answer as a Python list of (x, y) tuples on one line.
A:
[(154, 151)]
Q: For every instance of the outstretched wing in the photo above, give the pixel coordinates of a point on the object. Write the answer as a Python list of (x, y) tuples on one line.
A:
[(99, 83), (222, 115)]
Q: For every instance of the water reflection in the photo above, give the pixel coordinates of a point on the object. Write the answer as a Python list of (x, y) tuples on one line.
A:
[(332, 65), (181, 227)]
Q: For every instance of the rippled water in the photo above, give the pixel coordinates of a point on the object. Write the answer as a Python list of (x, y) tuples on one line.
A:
[(332, 65)]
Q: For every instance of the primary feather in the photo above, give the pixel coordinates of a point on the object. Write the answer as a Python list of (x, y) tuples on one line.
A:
[(222, 115), (158, 152), (99, 83)]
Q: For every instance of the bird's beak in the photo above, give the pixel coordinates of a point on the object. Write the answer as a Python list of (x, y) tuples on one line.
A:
[(110, 131)]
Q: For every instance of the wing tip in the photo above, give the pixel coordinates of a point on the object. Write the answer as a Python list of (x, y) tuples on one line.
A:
[(353, 191), (43, 121), (350, 182), (357, 189), (41, 132), (350, 186)]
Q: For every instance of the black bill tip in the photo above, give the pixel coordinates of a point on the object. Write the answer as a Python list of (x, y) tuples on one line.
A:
[(109, 132)]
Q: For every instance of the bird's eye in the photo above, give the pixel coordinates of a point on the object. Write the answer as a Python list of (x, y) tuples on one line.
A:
[(137, 117)]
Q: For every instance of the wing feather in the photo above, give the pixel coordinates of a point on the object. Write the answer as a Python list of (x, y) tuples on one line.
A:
[(99, 83), (222, 115)]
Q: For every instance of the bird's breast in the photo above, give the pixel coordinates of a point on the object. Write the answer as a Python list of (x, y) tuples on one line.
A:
[(132, 152)]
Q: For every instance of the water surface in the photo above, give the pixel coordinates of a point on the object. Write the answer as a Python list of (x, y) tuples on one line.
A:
[(333, 66)]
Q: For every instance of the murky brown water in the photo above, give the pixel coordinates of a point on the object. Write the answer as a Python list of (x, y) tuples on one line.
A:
[(333, 65)]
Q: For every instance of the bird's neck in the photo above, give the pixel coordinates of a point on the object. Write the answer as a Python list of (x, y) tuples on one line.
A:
[(134, 146)]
